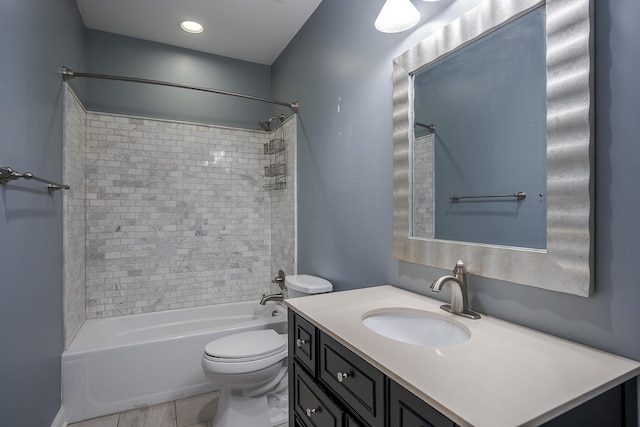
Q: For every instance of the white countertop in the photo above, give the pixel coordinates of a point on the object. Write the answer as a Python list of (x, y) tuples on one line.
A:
[(504, 375)]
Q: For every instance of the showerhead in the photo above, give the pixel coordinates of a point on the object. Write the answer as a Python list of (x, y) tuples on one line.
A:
[(266, 125)]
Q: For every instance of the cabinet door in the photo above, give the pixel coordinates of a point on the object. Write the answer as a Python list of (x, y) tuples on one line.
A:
[(407, 410), (302, 339), (312, 407), (351, 422), (355, 381)]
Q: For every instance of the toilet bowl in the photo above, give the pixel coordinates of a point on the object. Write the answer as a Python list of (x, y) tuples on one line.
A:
[(251, 369)]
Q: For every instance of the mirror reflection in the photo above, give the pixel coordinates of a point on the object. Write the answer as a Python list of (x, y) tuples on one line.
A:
[(564, 261), (480, 132)]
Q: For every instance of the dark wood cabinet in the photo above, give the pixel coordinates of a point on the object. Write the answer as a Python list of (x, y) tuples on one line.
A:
[(311, 404), (356, 382), (407, 410), (330, 386), (303, 339)]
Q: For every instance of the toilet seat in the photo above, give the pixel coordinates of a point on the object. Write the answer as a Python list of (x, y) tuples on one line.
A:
[(246, 346), (245, 352)]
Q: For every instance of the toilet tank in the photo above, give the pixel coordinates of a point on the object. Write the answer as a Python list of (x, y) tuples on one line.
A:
[(300, 285)]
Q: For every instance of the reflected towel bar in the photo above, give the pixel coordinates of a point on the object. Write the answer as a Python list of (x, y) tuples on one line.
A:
[(430, 127), (7, 174), (521, 195)]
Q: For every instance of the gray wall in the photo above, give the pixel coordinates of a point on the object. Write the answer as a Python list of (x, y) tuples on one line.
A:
[(339, 68), (108, 53), (36, 39)]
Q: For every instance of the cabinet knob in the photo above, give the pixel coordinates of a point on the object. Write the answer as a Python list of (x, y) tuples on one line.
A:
[(342, 376), (300, 343), (310, 412)]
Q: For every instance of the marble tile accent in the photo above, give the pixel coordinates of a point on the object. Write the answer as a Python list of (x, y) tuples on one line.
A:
[(283, 208), (423, 186), (165, 215), (176, 215), (74, 215)]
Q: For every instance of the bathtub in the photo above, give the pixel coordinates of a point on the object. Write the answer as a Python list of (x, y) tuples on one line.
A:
[(120, 363)]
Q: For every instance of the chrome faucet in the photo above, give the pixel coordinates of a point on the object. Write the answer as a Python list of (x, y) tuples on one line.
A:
[(279, 297), (459, 298)]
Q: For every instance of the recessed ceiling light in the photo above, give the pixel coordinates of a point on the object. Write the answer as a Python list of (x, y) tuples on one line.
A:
[(191, 27)]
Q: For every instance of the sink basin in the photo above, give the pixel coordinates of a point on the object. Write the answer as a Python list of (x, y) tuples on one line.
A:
[(416, 327)]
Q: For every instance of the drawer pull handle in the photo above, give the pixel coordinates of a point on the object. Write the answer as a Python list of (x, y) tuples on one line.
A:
[(310, 412), (300, 343), (342, 376)]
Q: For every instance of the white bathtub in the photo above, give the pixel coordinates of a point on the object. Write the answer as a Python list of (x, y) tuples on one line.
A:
[(121, 363)]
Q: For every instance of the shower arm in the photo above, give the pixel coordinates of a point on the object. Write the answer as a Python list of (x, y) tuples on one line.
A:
[(68, 74), (266, 125)]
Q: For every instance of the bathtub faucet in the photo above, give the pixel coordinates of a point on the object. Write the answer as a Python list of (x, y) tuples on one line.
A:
[(279, 297)]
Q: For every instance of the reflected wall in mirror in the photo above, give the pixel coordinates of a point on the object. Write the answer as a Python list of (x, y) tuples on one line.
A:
[(465, 143), (488, 105)]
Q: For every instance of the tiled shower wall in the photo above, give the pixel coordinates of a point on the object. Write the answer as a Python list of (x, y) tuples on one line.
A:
[(176, 215), (283, 212), (74, 216), (423, 186)]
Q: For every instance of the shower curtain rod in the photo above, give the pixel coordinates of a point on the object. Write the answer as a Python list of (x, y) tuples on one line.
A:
[(68, 74)]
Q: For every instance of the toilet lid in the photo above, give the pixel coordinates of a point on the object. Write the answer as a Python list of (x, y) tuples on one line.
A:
[(308, 284), (246, 344)]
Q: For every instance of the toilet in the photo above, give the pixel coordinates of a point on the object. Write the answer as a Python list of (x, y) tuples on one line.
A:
[(251, 368)]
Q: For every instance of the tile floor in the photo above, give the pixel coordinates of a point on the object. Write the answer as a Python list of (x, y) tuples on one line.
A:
[(196, 411)]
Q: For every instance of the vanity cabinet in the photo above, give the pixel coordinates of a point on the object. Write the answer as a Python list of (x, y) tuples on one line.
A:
[(311, 403), (303, 341), (407, 410), (354, 381), (330, 386)]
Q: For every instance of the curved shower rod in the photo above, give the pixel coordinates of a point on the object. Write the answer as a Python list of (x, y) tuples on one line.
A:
[(68, 74)]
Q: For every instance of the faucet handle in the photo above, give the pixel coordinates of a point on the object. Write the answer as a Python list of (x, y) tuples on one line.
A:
[(459, 268), (279, 279)]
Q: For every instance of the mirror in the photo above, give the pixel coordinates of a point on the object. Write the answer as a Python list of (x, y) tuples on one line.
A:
[(486, 107), (559, 197)]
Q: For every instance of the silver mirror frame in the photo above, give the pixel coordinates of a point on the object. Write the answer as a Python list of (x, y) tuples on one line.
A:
[(566, 264)]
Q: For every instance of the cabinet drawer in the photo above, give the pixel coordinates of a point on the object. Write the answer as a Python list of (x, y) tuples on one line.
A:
[(358, 383), (407, 410), (312, 407), (302, 339)]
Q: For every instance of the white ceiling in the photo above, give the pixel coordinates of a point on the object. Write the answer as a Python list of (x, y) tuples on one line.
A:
[(250, 30)]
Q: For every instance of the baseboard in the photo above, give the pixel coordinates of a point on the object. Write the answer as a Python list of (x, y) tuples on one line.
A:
[(60, 419)]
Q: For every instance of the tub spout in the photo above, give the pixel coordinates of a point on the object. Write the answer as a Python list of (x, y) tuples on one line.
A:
[(279, 297)]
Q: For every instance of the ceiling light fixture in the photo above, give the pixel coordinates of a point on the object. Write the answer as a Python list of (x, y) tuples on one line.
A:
[(192, 27), (397, 16)]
